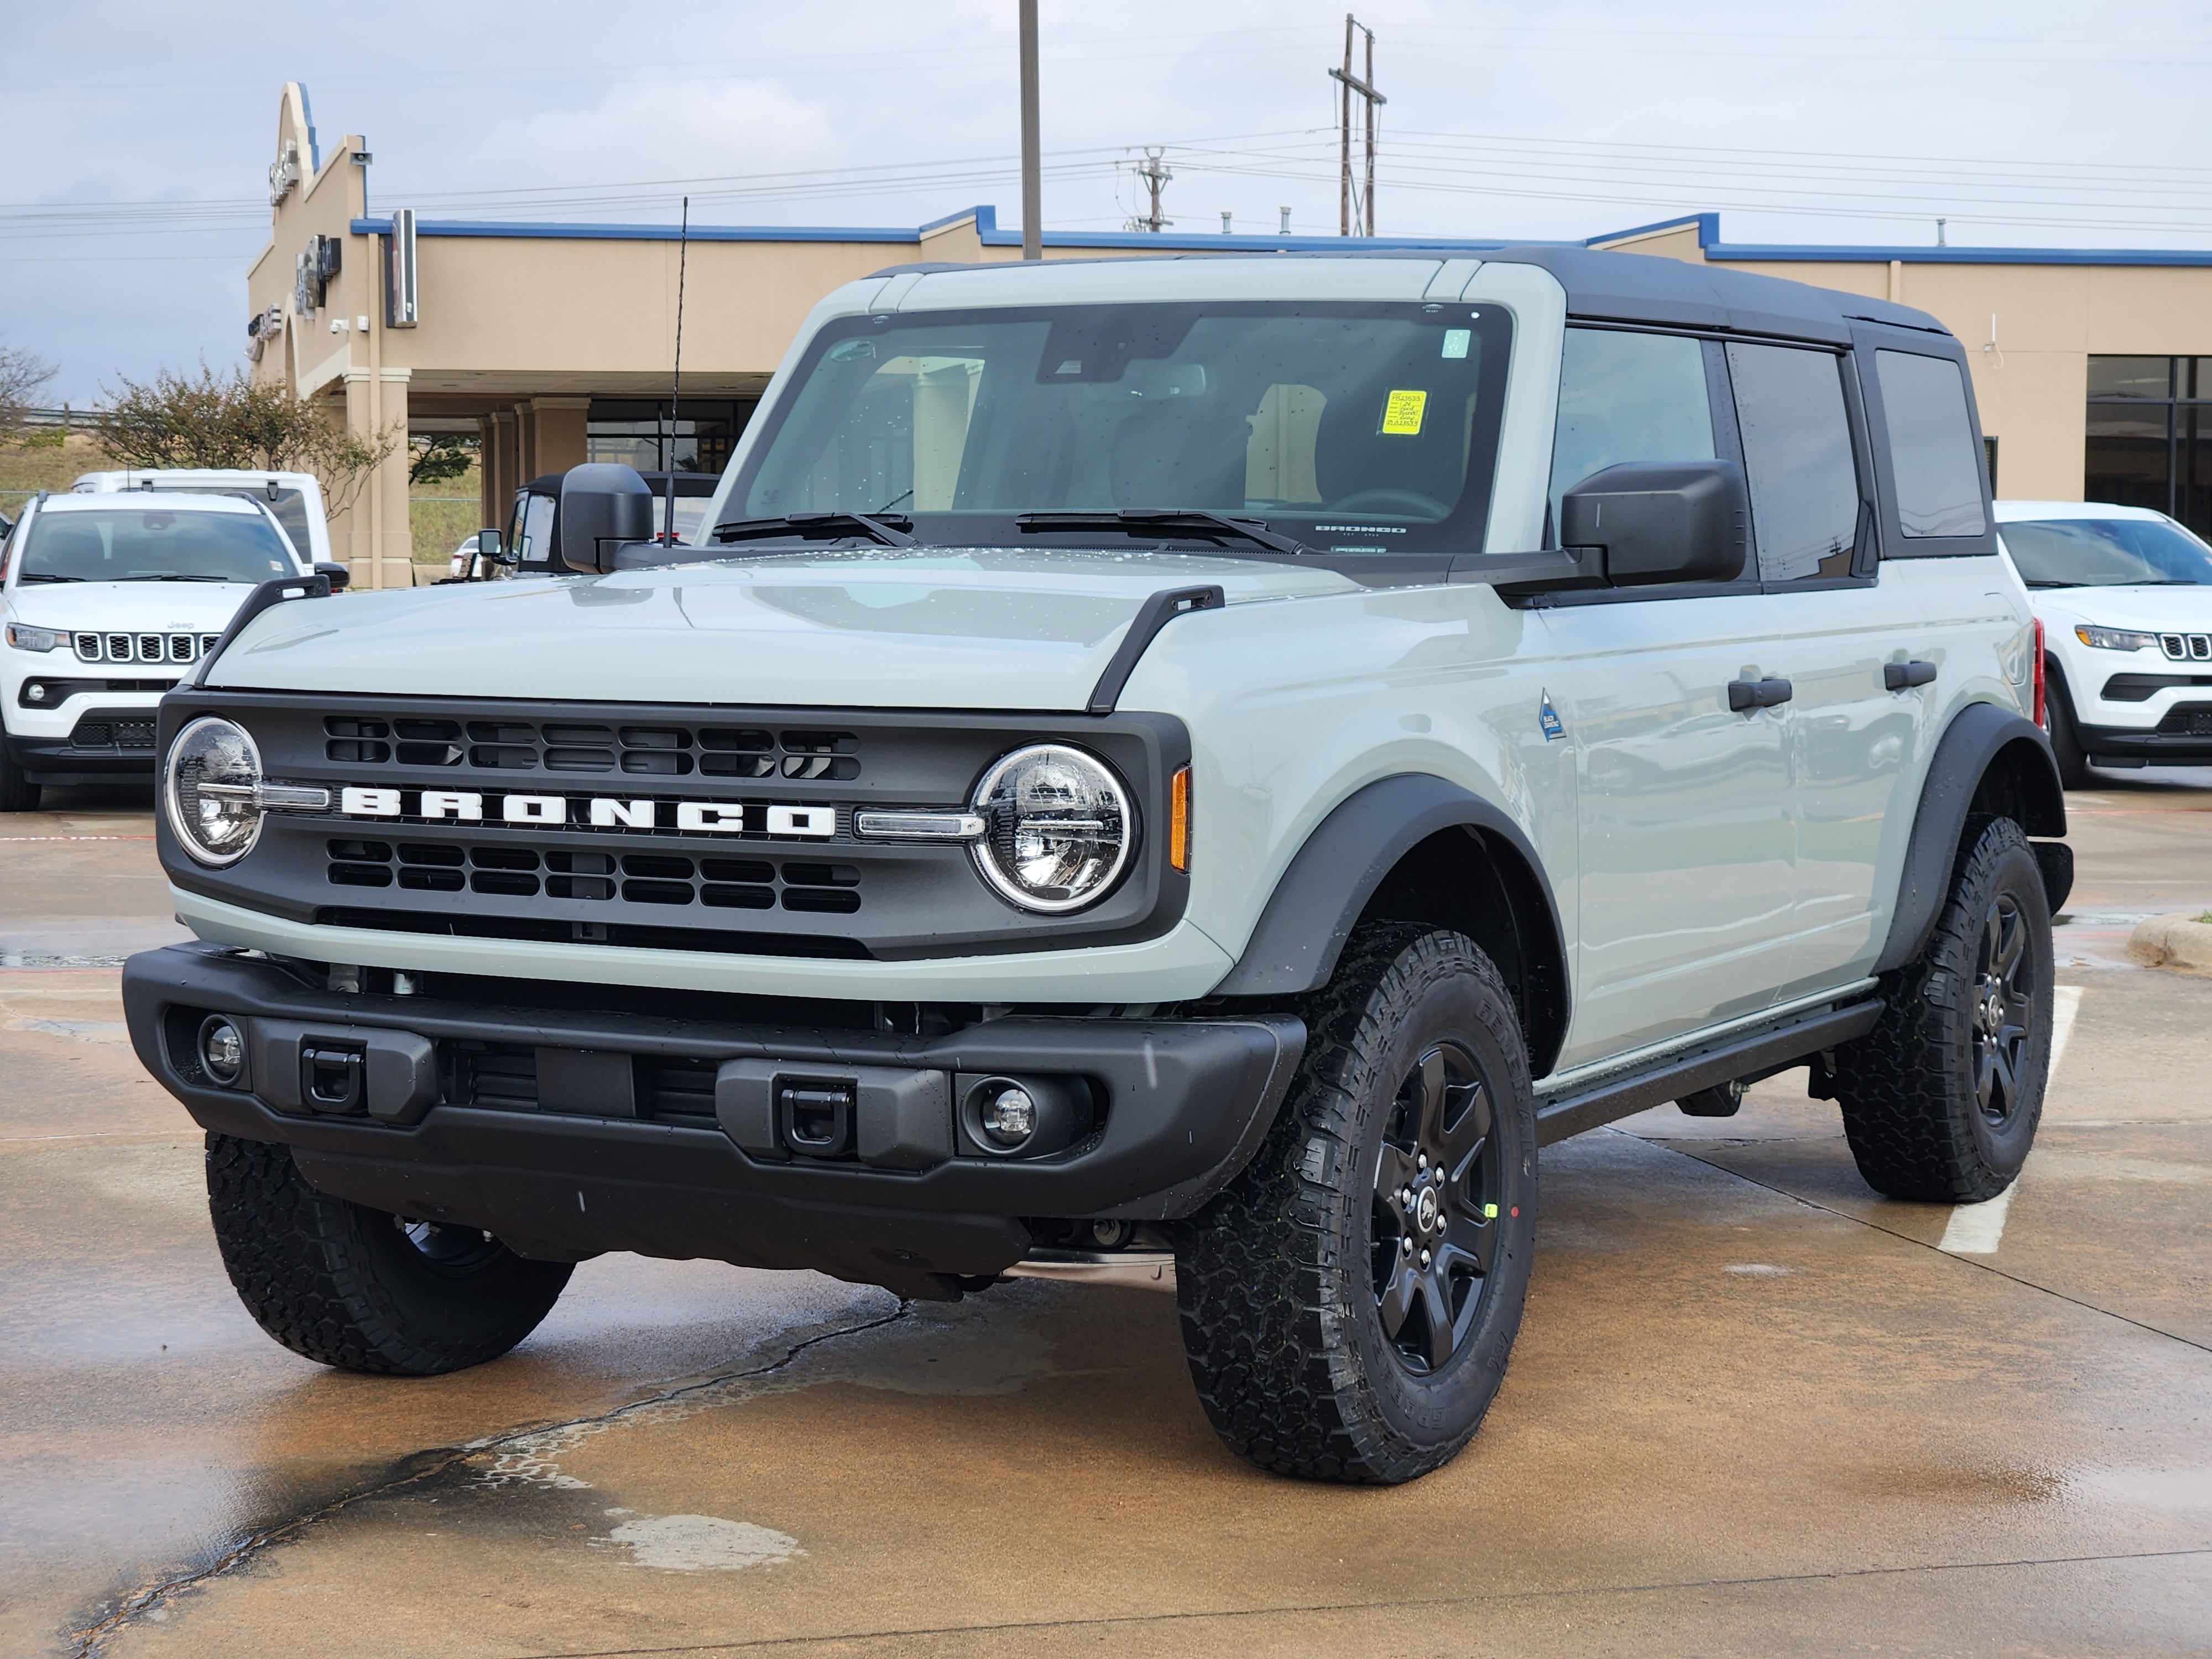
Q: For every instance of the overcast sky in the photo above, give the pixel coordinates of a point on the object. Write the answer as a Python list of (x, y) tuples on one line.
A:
[(135, 137)]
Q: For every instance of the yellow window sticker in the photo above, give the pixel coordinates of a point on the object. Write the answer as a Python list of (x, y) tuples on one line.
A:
[(1402, 412)]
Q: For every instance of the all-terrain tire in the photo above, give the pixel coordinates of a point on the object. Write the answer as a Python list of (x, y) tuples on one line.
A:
[(1284, 1281), (1940, 1100), (17, 793), (353, 1287), (2065, 738)]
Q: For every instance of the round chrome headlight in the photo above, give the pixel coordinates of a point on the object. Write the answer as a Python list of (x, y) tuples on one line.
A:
[(210, 783), (1060, 828)]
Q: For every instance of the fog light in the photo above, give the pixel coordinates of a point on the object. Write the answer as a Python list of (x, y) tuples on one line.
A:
[(1010, 1116), (34, 692), (223, 1050)]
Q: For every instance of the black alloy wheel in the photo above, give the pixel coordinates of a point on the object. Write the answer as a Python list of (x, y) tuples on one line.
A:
[(2004, 1009), (1438, 1187)]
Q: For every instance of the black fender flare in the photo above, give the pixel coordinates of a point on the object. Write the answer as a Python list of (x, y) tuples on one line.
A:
[(1332, 877), (1970, 745)]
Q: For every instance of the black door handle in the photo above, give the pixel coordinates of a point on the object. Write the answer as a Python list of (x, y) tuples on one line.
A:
[(1902, 676), (1744, 696)]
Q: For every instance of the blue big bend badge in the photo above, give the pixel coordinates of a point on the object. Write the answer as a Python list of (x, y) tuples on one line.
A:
[(1548, 717)]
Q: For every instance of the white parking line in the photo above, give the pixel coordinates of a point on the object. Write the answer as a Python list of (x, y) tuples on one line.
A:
[(1978, 1229)]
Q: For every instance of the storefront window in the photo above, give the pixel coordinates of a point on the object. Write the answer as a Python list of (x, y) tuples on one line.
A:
[(637, 434), (2149, 436)]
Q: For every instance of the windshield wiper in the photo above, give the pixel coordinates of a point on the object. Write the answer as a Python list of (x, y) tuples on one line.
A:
[(1189, 520), (179, 576), (44, 577), (889, 529)]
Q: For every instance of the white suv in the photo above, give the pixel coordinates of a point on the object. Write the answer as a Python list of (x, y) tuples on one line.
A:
[(1186, 764), (107, 600), (2124, 596)]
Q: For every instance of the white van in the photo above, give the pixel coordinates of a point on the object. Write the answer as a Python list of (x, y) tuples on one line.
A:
[(296, 498)]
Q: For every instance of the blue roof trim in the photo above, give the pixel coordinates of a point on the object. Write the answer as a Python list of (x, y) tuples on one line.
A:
[(986, 219), (314, 150), (540, 231), (1709, 243)]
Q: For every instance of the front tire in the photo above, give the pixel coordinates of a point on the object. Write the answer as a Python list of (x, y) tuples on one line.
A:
[(1940, 1100), (1348, 1303), (2065, 738), (17, 793), (359, 1289)]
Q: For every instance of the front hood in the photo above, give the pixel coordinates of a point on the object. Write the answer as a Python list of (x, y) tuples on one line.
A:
[(129, 607), (933, 627), (2152, 610)]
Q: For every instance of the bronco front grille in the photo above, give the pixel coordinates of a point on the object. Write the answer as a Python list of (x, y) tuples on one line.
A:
[(2187, 647), (814, 885), (669, 751)]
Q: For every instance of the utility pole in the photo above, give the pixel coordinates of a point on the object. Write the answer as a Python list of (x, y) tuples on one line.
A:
[(1365, 88), (1032, 179), (1155, 178)]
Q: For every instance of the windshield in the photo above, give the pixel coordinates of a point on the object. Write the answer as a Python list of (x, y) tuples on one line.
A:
[(1353, 429), (139, 543), (2106, 553)]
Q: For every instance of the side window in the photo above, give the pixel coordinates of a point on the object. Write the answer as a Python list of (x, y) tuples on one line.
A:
[(1626, 397), (1797, 460), (1931, 444)]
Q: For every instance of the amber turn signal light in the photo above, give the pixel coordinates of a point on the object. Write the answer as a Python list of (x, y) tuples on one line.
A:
[(1179, 821)]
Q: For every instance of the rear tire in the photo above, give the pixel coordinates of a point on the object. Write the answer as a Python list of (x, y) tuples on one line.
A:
[(2065, 738), (355, 1288), (1349, 1302), (17, 793), (1940, 1100)]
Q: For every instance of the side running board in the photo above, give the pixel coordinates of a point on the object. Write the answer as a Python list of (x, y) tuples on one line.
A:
[(1755, 1055)]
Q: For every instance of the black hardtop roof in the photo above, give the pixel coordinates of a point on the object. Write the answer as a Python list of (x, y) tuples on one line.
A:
[(1623, 288)]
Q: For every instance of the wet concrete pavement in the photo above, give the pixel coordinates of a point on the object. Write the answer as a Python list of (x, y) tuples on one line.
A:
[(1754, 1408)]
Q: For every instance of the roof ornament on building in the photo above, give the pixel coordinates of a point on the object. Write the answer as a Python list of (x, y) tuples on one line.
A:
[(284, 171)]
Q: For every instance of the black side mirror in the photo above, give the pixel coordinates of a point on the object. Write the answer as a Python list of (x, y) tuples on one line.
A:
[(491, 546), (1662, 521), (338, 573), (603, 505)]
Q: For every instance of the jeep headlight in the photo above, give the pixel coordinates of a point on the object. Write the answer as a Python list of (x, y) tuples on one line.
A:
[(2115, 638), (34, 639), (1060, 828), (212, 785)]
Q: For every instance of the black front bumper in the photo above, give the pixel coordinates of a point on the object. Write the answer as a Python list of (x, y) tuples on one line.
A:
[(444, 1131), (2134, 746), (64, 763)]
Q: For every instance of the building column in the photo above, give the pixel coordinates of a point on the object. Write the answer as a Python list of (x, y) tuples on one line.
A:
[(352, 536), (501, 467), (395, 534), (560, 433), (487, 477), (526, 445)]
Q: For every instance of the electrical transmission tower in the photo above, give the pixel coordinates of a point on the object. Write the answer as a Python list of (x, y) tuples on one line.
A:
[(1350, 202), (1156, 178)]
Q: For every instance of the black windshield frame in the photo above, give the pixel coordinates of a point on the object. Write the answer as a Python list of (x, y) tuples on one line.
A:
[(1415, 549)]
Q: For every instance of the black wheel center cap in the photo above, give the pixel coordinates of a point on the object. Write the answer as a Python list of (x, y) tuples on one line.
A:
[(1424, 1209)]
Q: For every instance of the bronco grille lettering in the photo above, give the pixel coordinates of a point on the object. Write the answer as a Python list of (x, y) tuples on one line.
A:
[(710, 818)]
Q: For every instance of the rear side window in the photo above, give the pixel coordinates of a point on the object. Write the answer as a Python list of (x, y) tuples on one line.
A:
[(1626, 397), (1797, 460), (1931, 444)]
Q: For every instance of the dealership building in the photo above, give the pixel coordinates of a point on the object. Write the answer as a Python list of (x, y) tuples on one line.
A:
[(2093, 368)]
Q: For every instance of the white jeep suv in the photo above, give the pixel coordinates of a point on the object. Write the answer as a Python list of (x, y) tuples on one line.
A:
[(107, 601), (2124, 596)]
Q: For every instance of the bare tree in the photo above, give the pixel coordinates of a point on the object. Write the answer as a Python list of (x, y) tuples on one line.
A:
[(23, 374), (182, 421)]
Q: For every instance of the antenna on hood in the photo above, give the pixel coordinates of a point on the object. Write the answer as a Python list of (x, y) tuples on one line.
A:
[(676, 386)]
